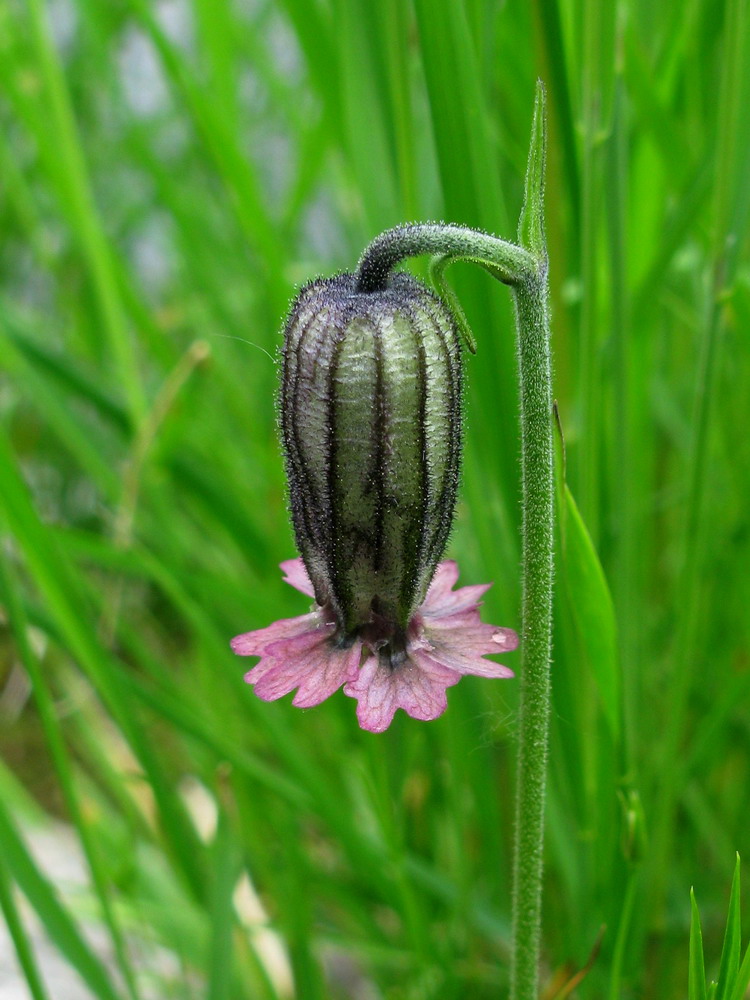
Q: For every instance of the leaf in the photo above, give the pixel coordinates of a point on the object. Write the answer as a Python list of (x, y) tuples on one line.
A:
[(730, 953), (742, 981), (531, 223), (226, 867), (697, 971), (590, 602), (22, 941)]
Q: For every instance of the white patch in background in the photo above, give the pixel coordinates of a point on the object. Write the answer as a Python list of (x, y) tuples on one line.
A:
[(62, 17), (142, 78), (151, 252), (266, 943), (57, 852), (176, 20), (284, 50)]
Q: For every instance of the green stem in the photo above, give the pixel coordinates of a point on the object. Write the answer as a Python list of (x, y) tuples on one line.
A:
[(512, 262), (524, 269), (536, 637)]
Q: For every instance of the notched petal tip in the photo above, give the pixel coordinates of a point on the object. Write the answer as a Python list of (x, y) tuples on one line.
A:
[(418, 686), (443, 582), (442, 601), (297, 576)]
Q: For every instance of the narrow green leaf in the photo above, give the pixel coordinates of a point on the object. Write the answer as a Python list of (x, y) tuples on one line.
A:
[(64, 769), (742, 981), (21, 941), (590, 602), (464, 135), (697, 971), (225, 869), (86, 221), (314, 32), (730, 953), (366, 135), (67, 595), (449, 297), (236, 170), (65, 372), (531, 224), (561, 105), (54, 406)]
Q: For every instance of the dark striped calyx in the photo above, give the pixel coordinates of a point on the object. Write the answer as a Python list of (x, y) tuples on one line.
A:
[(371, 426)]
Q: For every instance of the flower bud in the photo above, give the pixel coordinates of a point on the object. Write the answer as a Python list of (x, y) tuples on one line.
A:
[(371, 425)]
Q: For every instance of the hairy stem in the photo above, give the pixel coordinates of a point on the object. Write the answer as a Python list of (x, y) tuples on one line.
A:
[(510, 262), (536, 620)]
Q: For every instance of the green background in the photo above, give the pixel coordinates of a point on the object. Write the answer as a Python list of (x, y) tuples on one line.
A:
[(169, 174)]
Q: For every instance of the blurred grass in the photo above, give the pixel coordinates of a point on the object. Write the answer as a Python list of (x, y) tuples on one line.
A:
[(170, 172)]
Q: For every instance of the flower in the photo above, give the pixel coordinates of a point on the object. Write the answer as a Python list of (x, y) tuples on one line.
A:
[(383, 668), (370, 415)]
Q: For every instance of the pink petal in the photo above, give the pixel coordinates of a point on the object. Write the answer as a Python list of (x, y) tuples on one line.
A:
[(255, 643), (375, 696), (417, 687), (465, 618), (446, 639), (463, 649), (505, 639), (272, 679), (296, 576), (445, 578), (339, 666), (307, 661), (294, 646), (471, 634), (442, 600)]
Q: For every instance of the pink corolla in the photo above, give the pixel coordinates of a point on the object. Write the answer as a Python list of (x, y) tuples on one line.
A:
[(444, 640)]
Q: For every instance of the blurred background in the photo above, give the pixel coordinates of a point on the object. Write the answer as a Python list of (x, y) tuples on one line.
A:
[(170, 173)]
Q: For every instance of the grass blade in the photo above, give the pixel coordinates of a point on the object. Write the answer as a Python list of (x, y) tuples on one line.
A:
[(697, 970), (730, 952), (22, 943), (589, 600), (74, 177)]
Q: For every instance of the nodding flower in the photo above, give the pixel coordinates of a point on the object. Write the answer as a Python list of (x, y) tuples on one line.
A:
[(370, 408)]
